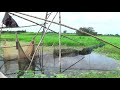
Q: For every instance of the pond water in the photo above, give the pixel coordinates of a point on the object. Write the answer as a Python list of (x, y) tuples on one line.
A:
[(92, 61)]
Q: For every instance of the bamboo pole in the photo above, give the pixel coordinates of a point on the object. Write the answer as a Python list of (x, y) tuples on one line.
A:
[(60, 42), (73, 64), (0, 34), (1, 40), (72, 29), (19, 26), (40, 43), (41, 27), (42, 62)]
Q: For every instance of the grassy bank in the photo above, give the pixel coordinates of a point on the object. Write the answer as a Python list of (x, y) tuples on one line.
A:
[(95, 74), (85, 41), (78, 74)]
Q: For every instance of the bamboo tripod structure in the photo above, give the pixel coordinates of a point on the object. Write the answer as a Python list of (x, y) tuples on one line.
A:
[(59, 32)]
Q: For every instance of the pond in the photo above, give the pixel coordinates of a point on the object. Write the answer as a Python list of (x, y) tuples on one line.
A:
[(92, 61)]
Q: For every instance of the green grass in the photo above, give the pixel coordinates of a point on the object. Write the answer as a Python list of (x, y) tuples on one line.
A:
[(77, 74), (86, 41), (95, 74), (109, 50), (51, 39)]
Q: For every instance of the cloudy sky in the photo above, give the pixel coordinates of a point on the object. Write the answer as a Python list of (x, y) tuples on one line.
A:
[(102, 22)]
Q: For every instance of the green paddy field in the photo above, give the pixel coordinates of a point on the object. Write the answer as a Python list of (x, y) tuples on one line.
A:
[(84, 41)]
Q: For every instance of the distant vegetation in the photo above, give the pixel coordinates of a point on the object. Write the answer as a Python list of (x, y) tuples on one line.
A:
[(19, 31), (92, 31)]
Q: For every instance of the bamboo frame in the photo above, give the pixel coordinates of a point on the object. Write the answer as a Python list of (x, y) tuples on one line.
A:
[(72, 29), (59, 40), (48, 29)]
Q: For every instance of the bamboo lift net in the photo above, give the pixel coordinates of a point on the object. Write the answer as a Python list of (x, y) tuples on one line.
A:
[(18, 54), (37, 58)]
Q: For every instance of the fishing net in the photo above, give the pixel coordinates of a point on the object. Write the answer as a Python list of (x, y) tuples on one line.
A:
[(20, 56), (24, 59), (9, 54)]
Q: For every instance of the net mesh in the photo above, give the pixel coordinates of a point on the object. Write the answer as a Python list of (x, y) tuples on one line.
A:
[(22, 55)]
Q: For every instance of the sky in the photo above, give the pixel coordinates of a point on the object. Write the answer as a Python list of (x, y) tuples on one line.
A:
[(102, 22)]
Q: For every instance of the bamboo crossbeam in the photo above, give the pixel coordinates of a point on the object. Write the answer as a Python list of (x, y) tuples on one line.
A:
[(46, 28), (73, 64), (73, 29), (49, 29), (19, 26)]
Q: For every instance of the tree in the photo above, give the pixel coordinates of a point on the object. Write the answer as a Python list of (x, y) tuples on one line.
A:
[(116, 34), (64, 31), (88, 30)]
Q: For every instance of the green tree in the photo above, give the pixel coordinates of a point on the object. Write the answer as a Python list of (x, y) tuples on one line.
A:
[(64, 31), (86, 29), (116, 34)]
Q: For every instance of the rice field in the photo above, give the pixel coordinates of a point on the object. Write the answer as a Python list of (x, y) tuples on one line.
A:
[(85, 41)]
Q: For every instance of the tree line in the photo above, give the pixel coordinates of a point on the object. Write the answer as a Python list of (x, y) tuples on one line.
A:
[(19, 31), (90, 30)]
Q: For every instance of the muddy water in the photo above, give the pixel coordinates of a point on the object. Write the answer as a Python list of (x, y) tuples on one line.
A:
[(92, 61)]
